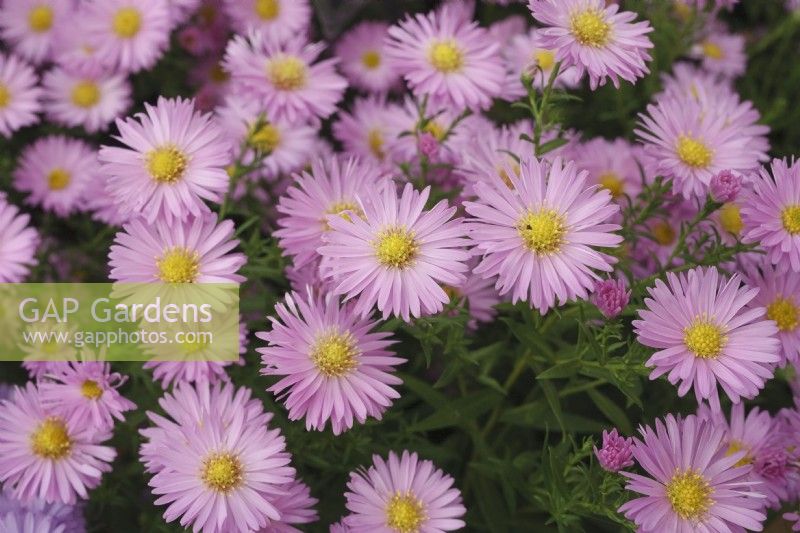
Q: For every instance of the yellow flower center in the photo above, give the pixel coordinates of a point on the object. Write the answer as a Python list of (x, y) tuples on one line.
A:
[(542, 231), (375, 141), (689, 494), (435, 129), (287, 73), (712, 50), (371, 59), (590, 29), (736, 446), (790, 216), (785, 313), (40, 18), (218, 74), (396, 248), (663, 233), (194, 347), (612, 182), (334, 354), (166, 164), (51, 439), (342, 209), (267, 9), (127, 22), (85, 94), (178, 265), (222, 472), (704, 339), (5, 96), (730, 217), (694, 152), (58, 179), (404, 513), (545, 59), (683, 11), (446, 57), (91, 390), (265, 139)]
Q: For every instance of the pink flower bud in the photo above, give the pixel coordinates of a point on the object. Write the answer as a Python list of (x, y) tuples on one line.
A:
[(616, 452), (725, 186), (610, 297), (428, 145)]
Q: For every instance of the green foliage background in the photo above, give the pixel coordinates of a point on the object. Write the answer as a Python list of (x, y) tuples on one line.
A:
[(511, 410)]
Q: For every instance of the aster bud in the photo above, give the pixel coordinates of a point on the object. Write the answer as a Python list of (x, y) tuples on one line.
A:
[(610, 297), (428, 145), (616, 452), (725, 186)]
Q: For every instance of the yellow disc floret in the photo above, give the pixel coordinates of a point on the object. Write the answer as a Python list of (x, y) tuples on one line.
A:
[(40, 18), (127, 22), (545, 59), (58, 179), (178, 265), (712, 50), (287, 73), (334, 353), (790, 217), (91, 390), (694, 152), (166, 164), (371, 59), (542, 231), (445, 56), (404, 513), (5, 96), (51, 439), (590, 29), (705, 339), (85, 94), (785, 313), (612, 182), (689, 494), (396, 248), (267, 9), (222, 472), (730, 217), (265, 139)]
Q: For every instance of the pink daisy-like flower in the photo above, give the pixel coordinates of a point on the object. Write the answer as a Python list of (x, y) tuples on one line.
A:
[(402, 494), (331, 188), (691, 141), (284, 75), (694, 484), (525, 55), (194, 251), (127, 35), (363, 59), (612, 164), (722, 53), (594, 37), (285, 146), (90, 100), (85, 391), (99, 202), (20, 98), (28, 26), (56, 171), (282, 18), (538, 234), (29, 521), (492, 152), (333, 366), (173, 160), (296, 505), (779, 293), (451, 60), (398, 255), (18, 243), (45, 456), (369, 129), (771, 213), (705, 335), (222, 473)]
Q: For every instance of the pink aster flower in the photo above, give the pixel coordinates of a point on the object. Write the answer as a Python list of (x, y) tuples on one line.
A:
[(296, 506), (616, 452), (722, 53), (221, 474), (127, 35), (333, 366), (610, 296), (403, 494), (29, 521), (90, 100), (691, 141), (361, 52), (451, 60), (693, 484), (779, 294), (369, 128), (525, 55), (331, 188), (492, 151), (282, 18), (725, 186), (45, 456), (194, 251), (85, 392), (398, 254), (56, 171), (19, 95), (18, 243), (285, 146), (28, 26), (705, 335), (594, 37), (538, 234), (284, 75), (99, 202), (771, 213), (613, 164), (173, 159)]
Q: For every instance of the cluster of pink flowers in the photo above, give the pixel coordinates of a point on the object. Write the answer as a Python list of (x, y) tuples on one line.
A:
[(425, 206)]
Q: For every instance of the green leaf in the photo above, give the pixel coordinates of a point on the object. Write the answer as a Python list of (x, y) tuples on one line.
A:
[(612, 411), (459, 411), (564, 369)]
